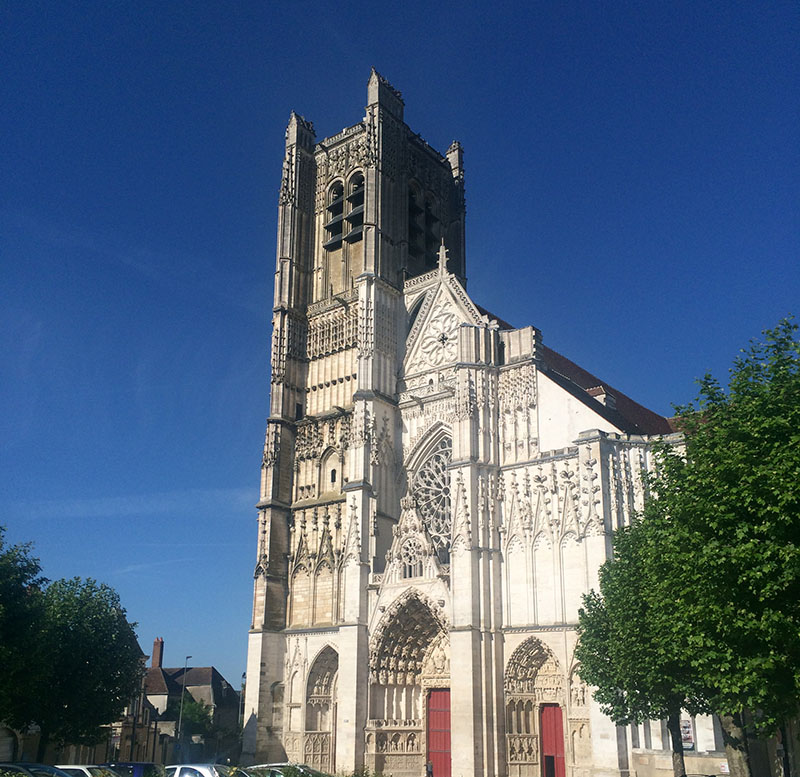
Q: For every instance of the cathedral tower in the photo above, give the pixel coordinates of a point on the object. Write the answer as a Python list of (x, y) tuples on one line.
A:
[(359, 214)]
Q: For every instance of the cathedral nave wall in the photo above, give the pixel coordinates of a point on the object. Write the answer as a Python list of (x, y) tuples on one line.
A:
[(562, 416)]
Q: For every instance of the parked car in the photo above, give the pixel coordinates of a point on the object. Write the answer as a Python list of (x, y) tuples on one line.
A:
[(13, 770), (136, 769), (41, 770), (284, 770), (201, 770), (87, 770)]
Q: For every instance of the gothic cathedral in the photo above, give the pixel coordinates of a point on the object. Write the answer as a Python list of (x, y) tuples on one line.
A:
[(438, 489)]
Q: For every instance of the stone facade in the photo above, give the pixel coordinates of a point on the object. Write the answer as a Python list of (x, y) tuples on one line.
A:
[(438, 488)]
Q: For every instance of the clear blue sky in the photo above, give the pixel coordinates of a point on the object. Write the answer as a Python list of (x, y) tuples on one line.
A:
[(633, 190)]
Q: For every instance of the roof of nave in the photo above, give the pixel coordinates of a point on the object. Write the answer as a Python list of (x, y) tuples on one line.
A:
[(627, 414)]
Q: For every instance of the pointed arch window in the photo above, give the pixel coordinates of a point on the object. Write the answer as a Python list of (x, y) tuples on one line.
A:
[(431, 491), (412, 553)]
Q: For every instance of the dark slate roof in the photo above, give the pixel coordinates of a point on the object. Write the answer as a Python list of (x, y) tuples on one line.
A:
[(170, 679), (157, 681)]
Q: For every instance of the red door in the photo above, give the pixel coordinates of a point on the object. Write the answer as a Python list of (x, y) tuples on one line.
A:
[(552, 739), (439, 732)]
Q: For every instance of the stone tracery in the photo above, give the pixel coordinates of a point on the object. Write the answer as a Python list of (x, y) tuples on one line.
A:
[(431, 491)]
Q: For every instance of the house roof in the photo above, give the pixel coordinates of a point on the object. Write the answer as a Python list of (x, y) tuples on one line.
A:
[(169, 680)]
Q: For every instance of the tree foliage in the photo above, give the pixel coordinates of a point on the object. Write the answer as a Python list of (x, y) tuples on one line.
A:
[(93, 661), (732, 508), (639, 675), (20, 612), (719, 552), (70, 658)]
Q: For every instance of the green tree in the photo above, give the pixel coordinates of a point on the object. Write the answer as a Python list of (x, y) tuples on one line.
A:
[(20, 613), (726, 569), (196, 718), (637, 673), (90, 663)]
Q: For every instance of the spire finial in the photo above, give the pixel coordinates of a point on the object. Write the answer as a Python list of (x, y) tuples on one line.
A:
[(442, 259)]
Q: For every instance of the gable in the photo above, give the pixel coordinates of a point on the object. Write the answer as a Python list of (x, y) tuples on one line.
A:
[(432, 342)]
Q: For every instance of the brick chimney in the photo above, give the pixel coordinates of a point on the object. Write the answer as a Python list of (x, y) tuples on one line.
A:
[(158, 652)]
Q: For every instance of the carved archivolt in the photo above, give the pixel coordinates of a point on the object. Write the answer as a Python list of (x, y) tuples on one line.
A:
[(533, 671), (403, 638)]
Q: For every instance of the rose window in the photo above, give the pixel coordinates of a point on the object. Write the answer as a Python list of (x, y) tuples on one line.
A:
[(439, 341), (431, 490)]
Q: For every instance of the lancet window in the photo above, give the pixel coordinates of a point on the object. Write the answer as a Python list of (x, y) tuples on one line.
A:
[(355, 209)]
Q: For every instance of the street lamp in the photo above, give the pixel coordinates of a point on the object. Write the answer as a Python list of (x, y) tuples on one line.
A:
[(180, 713)]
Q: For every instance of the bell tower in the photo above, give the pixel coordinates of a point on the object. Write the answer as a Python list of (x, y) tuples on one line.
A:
[(360, 213)]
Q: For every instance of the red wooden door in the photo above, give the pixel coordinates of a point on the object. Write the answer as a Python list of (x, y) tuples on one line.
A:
[(439, 731), (552, 741)]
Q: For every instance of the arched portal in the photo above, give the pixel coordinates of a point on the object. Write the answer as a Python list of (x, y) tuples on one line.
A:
[(409, 677), (320, 729), (534, 697)]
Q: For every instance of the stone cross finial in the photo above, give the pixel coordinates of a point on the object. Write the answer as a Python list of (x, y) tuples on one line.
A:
[(442, 259)]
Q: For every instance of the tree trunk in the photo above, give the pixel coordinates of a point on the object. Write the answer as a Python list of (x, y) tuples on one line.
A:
[(735, 738), (674, 728), (41, 748)]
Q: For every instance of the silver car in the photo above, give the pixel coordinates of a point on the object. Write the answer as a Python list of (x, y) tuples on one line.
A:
[(199, 770), (87, 770)]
